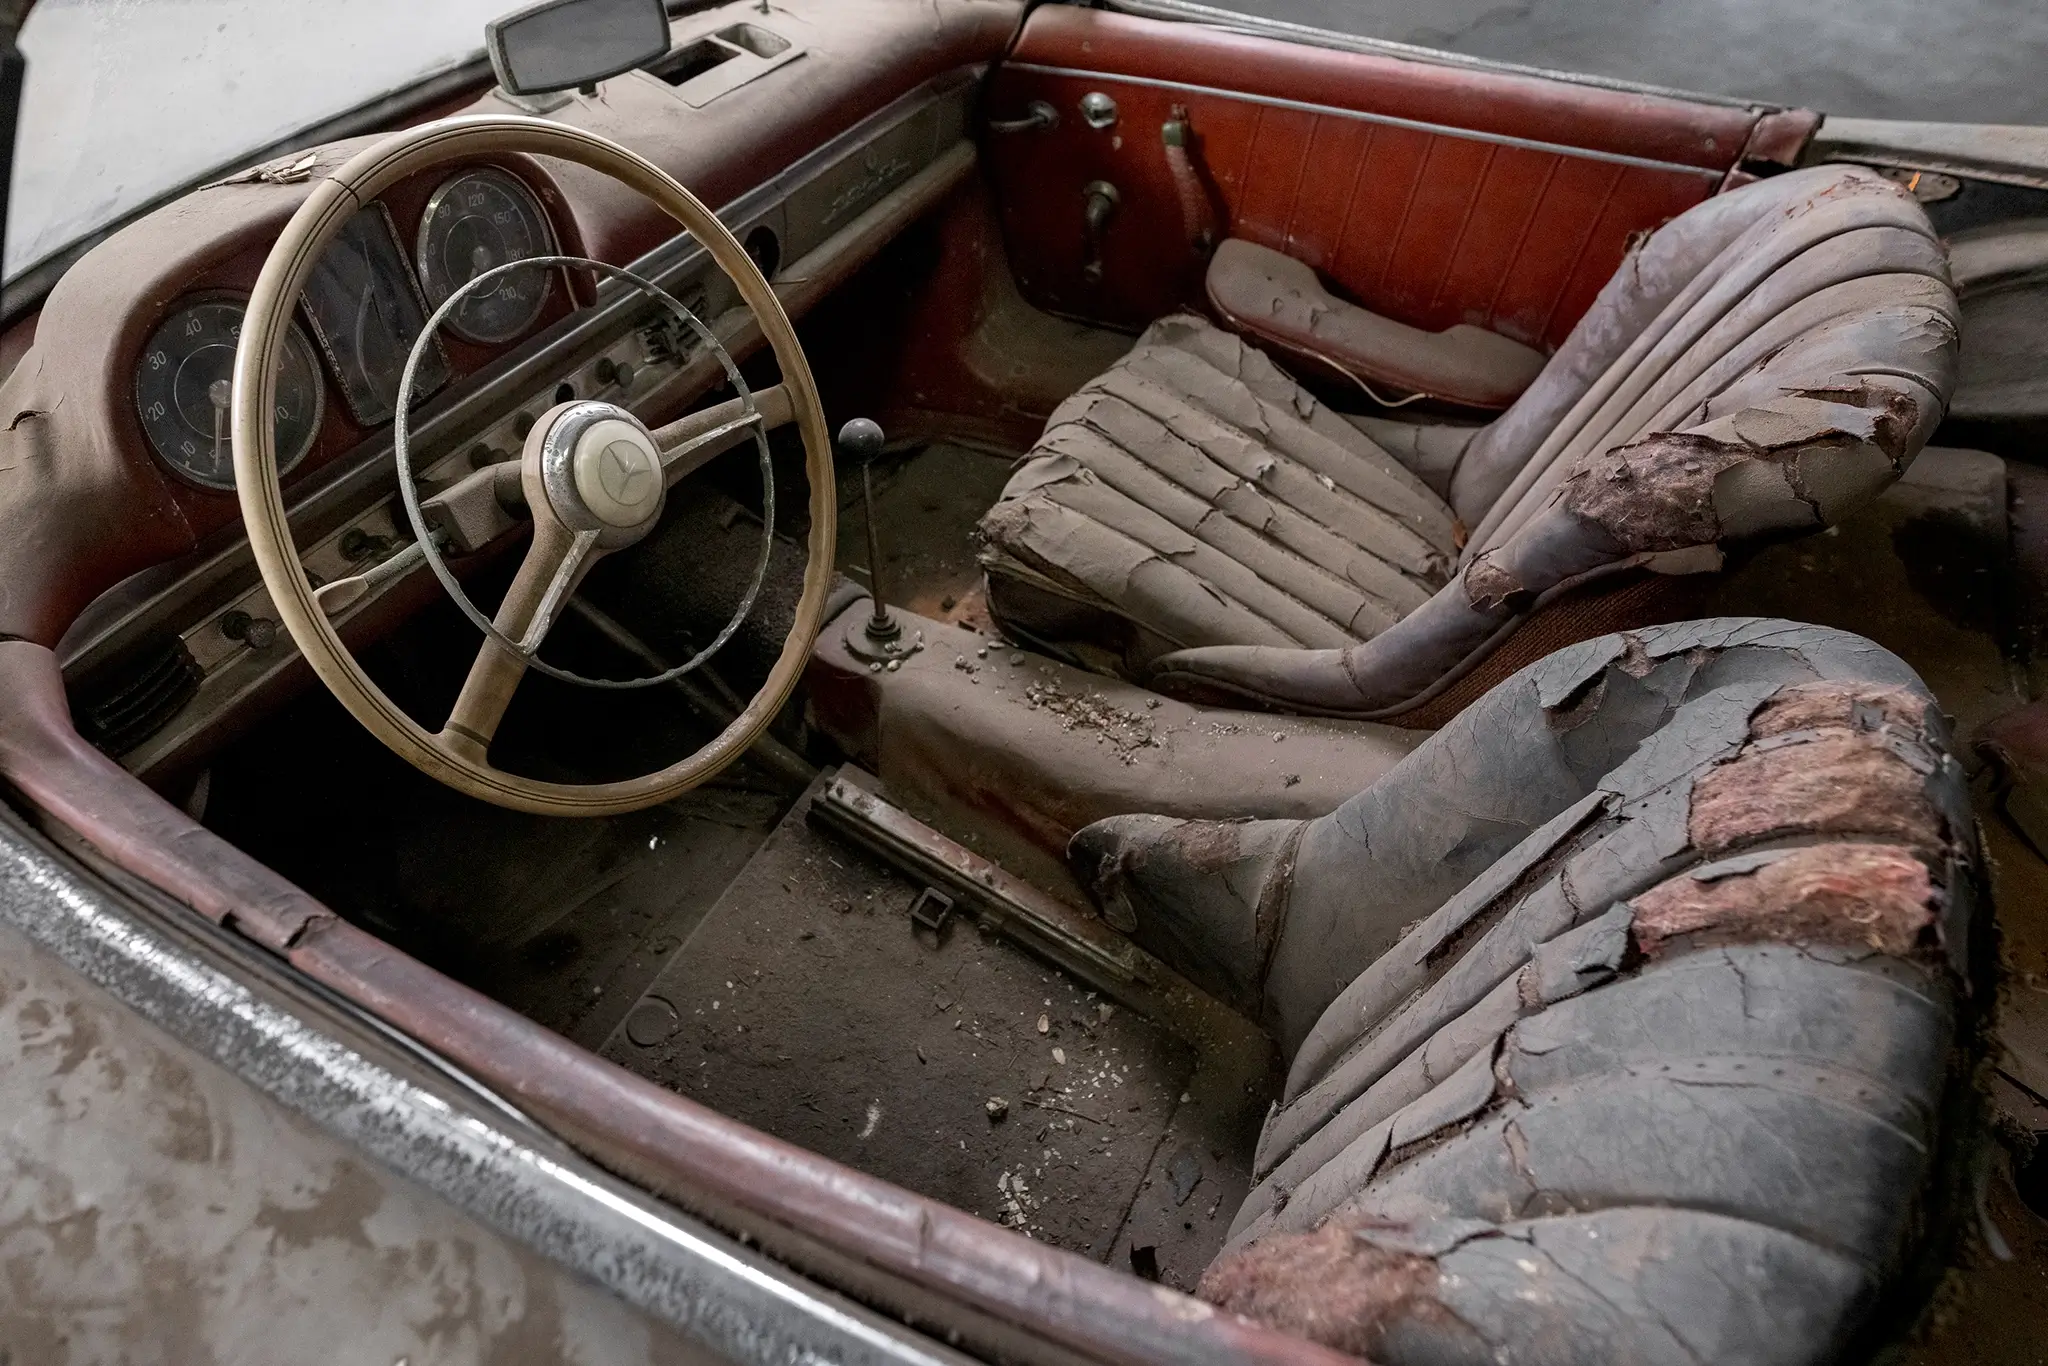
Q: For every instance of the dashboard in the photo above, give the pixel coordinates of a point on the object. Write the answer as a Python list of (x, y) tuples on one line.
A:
[(847, 122), (364, 307)]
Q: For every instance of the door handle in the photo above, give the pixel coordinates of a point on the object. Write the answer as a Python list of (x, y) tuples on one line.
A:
[(1099, 201), (1037, 114)]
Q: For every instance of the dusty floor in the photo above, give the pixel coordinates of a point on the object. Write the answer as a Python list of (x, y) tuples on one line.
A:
[(960, 1068), (1991, 1312), (564, 921)]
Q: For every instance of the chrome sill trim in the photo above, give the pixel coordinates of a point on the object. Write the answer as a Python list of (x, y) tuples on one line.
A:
[(1383, 120), (738, 1305)]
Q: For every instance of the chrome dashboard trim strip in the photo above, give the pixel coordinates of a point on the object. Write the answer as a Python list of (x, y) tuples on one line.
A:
[(1362, 116)]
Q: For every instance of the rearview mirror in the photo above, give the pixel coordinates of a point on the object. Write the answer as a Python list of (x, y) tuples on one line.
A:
[(561, 44)]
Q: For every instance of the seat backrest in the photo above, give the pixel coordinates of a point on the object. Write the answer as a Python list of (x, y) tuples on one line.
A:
[(1763, 365), (1827, 279)]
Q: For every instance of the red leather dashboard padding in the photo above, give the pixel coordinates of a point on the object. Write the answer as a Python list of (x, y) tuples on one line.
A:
[(1424, 226)]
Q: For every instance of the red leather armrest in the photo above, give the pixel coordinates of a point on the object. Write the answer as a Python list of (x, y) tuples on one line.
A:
[(1278, 300)]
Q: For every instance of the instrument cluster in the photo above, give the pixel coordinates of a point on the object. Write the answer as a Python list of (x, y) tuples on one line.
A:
[(363, 309)]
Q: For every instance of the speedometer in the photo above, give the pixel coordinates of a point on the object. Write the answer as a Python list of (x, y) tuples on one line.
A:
[(474, 221), (184, 392)]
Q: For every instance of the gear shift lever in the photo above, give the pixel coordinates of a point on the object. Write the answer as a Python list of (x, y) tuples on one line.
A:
[(861, 440)]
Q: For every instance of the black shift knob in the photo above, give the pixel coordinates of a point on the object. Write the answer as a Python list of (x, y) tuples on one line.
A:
[(860, 439)]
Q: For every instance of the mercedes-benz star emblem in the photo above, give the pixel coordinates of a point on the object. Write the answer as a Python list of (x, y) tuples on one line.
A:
[(623, 468)]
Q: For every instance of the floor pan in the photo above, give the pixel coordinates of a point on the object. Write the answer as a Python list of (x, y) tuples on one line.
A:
[(960, 1067)]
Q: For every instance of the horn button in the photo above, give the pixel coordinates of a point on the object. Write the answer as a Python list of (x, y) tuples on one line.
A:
[(602, 471)]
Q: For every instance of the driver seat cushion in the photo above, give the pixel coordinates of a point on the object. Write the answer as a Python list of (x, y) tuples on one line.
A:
[(1195, 494), (1634, 1016), (1761, 366)]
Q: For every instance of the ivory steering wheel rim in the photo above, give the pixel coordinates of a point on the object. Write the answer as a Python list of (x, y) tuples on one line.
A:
[(448, 758)]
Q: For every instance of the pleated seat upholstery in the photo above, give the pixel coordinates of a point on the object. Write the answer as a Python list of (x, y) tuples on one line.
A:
[(1761, 366), (1199, 492)]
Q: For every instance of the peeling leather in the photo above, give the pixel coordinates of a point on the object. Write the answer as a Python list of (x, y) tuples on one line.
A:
[(1860, 706), (1654, 494), (1662, 938), (1329, 1287), (1295, 528), (1763, 371), (1833, 782), (1488, 587), (1139, 867)]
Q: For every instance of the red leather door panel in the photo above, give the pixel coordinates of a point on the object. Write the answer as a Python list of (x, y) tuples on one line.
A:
[(1430, 193)]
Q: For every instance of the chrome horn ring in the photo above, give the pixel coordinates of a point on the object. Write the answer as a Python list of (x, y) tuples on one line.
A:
[(409, 494)]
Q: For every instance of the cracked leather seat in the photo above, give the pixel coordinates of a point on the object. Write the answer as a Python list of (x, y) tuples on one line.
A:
[(1633, 1017), (1761, 366)]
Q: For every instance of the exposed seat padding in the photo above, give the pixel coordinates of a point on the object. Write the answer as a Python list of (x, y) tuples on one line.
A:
[(1632, 1017), (1761, 366)]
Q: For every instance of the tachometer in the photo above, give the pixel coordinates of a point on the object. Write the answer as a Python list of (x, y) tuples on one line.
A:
[(184, 388), (474, 221)]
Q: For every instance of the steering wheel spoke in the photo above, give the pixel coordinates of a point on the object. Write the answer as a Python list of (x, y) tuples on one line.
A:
[(555, 563), (560, 585), (690, 442)]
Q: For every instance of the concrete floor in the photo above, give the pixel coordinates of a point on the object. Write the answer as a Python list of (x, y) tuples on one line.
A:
[(1965, 61)]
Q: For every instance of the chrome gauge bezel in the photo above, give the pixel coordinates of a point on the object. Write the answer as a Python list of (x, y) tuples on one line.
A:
[(437, 288), (297, 343)]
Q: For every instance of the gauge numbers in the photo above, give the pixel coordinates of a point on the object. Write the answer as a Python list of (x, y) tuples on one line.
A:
[(474, 221), (183, 392), (366, 312)]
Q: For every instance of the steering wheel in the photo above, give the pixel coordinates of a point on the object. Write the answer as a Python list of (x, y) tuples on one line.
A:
[(594, 477)]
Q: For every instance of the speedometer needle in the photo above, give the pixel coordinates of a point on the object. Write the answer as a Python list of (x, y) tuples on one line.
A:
[(220, 392)]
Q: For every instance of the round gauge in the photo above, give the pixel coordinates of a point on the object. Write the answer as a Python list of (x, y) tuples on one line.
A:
[(474, 221), (183, 389)]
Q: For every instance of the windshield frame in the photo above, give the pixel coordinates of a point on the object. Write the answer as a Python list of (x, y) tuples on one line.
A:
[(473, 75), (26, 292)]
